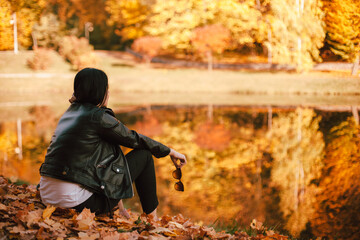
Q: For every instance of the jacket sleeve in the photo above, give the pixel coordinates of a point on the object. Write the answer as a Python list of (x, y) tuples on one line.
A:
[(114, 131)]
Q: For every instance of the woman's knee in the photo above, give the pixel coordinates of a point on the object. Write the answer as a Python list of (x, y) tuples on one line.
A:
[(145, 155)]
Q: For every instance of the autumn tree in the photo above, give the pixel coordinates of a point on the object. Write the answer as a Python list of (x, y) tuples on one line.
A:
[(6, 29), (338, 202), (211, 39), (297, 32), (78, 52), (148, 46), (75, 13), (297, 149), (243, 19), (129, 17), (174, 21), (48, 31), (342, 19), (27, 13)]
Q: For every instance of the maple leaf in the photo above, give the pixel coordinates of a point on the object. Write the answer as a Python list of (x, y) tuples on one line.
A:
[(48, 211), (163, 230), (3, 207), (84, 235), (33, 217), (85, 219)]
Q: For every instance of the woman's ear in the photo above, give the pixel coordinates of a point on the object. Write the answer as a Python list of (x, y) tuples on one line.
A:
[(72, 99)]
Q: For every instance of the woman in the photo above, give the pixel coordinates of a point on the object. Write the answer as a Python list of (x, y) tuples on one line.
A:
[(84, 166)]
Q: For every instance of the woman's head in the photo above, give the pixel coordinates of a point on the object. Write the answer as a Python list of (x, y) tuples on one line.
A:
[(91, 86)]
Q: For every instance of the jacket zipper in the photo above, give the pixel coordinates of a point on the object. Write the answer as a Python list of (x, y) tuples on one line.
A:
[(132, 188), (103, 163)]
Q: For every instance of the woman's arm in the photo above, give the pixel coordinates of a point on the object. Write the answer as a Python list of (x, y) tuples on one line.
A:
[(114, 131)]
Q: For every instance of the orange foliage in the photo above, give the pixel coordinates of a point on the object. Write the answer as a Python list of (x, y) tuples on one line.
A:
[(150, 46), (78, 52), (25, 217), (85, 10), (41, 59), (338, 203), (45, 121), (149, 126), (212, 136), (214, 38)]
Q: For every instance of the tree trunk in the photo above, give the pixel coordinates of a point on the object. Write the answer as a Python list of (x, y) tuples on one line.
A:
[(210, 60), (35, 45), (210, 112), (269, 118), (16, 46), (19, 138), (355, 66), (356, 114)]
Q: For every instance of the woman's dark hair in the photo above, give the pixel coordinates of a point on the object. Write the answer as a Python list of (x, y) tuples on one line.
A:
[(90, 86)]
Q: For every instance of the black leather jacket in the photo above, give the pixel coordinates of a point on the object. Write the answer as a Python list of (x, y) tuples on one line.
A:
[(85, 149)]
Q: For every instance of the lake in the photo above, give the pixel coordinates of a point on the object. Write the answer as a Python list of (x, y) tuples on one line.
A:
[(294, 168)]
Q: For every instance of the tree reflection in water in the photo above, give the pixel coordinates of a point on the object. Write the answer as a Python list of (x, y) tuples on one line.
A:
[(301, 175)]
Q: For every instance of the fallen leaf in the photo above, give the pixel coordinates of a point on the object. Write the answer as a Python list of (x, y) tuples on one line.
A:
[(3, 207), (48, 211), (85, 236), (163, 230), (256, 225), (85, 219), (33, 217), (173, 225), (17, 229)]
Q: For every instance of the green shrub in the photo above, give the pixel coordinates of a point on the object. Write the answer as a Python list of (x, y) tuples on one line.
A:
[(78, 52)]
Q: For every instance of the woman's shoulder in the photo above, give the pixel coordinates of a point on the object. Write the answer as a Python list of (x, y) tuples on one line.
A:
[(105, 117)]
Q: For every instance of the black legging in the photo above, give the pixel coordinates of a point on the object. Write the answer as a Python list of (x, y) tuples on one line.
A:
[(142, 171)]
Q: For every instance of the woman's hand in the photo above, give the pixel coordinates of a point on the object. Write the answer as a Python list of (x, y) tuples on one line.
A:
[(178, 159), (72, 99)]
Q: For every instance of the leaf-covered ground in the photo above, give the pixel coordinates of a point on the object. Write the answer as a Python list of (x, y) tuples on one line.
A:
[(23, 216)]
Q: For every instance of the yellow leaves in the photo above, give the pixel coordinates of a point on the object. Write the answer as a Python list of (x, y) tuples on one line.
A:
[(243, 19), (298, 150), (343, 27), (129, 15), (6, 29), (48, 211), (295, 37)]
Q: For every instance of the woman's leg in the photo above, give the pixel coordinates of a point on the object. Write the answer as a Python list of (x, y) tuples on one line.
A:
[(142, 171), (97, 203)]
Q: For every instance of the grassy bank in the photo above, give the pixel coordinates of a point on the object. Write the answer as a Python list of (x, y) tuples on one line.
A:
[(134, 84)]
